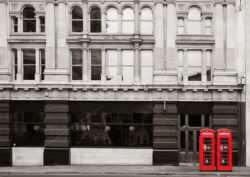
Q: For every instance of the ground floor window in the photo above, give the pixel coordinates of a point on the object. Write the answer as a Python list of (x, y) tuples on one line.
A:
[(28, 129), (111, 129)]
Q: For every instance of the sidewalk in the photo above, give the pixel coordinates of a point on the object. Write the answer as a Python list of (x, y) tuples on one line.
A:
[(123, 170)]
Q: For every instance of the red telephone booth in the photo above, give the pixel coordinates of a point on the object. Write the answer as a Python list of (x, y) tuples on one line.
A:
[(224, 150), (207, 150)]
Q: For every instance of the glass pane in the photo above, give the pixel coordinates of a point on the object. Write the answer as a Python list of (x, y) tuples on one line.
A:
[(95, 26), (183, 141), (95, 13), (190, 141), (194, 13), (208, 30), (76, 73), (180, 22), (112, 14), (194, 120), (96, 72), (146, 14), (194, 58), (128, 73), (29, 72), (146, 57), (183, 120), (147, 74), (194, 27), (128, 14), (128, 57), (146, 27), (128, 27), (180, 30), (29, 25), (112, 57), (112, 26), (96, 57), (29, 56), (28, 12), (180, 57), (43, 57), (77, 13), (76, 57), (77, 26), (42, 20), (112, 72)]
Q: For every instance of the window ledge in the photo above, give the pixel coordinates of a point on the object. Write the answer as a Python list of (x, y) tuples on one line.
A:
[(195, 39)]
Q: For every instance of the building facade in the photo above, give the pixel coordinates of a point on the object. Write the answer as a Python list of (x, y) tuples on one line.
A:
[(120, 82)]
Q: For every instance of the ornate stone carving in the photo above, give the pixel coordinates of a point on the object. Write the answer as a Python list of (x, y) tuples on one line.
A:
[(41, 6), (14, 5)]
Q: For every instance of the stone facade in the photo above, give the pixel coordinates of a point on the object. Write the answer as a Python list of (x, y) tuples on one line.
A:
[(211, 31)]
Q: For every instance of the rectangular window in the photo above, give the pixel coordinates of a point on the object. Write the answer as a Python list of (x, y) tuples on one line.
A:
[(96, 64), (128, 65), (15, 24), (194, 27), (15, 68), (180, 26), (180, 64), (42, 24), (146, 65), (29, 64), (42, 56), (208, 71), (194, 64), (111, 129), (28, 129), (112, 64), (208, 26), (77, 64)]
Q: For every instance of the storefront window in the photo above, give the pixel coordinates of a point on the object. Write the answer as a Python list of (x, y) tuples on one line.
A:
[(28, 129), (111, 129)]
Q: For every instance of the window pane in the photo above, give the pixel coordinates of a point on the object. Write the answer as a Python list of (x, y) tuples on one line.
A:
[(147, 58), (128, 14), (28, 129), (95, 26), (194, 65), (112, 57), (29, 56), (128, 27), (146, 14), (194, 13), (96, 67), (15, 24), (29, 25), (128, 73), (146, 27), (29, 12), (77, 26), (96, 57), (76, 57), (112, 14), (128, 57), (29, 72), (194, 27), (95, 13), (76, 72), (112, 26), (147, 74), (77, 13), (96, 72)]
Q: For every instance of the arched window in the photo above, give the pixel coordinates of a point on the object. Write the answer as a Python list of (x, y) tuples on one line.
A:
[(194, 20), (128, 20), (112, 20), (29, 19), (77, 19), (146, 21), (95, 20)]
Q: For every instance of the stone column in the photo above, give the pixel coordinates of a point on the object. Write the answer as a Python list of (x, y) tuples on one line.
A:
[(204, 66), (85, 61), (37, 24), (19, 65), (185, 67), (137, 21), (137, 63), (103, 17), (231, 26), (103, 64), (219, 62), (119, 74), (119, 21), (38, 63), (85, 17)]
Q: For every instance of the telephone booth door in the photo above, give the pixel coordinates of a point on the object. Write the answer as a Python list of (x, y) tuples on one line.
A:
[(224, 150)]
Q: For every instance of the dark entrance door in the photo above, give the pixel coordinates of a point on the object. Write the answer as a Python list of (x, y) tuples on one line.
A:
[(189, 127)]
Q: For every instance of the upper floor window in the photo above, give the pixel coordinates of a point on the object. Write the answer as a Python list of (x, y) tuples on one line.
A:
[(194, 20), (76, 64), (128, 20), (146, 21), (29, 19), (112, 20), (96, 64), (95, 20), (147, 65), (77, 19), (29, 64)]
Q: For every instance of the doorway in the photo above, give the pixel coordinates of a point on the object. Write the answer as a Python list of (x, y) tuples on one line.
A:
[(189, 129)]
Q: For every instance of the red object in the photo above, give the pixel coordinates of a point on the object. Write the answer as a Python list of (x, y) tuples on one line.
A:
[(224, 150), (207, 150)]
